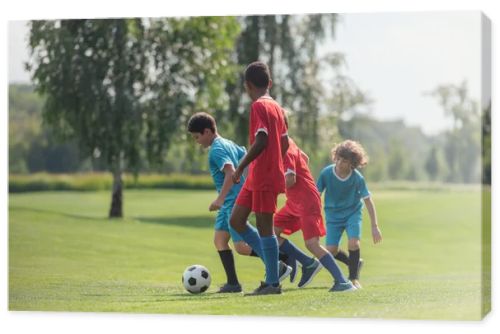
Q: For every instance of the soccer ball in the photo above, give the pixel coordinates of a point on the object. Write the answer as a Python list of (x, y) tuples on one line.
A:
[(196, 278)]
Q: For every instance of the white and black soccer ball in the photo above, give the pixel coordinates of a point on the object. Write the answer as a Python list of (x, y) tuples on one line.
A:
[(196, 278)]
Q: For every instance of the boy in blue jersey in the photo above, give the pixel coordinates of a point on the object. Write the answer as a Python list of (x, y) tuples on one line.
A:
[(224, 157), (344, 188)]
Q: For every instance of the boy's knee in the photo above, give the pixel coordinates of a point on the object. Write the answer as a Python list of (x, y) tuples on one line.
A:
[(354, 244), (311, 244), (242, 248), (221, 242)]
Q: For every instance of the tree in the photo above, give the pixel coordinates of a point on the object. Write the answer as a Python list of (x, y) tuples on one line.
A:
[(462, 148), (486, 145), (432, 164), (294, 41), (121, 87), (397, 162)]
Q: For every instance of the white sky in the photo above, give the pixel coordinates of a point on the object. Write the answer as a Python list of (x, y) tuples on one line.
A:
[(394, 57)]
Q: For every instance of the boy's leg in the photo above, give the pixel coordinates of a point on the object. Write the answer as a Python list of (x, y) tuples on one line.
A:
[(286, 223), (342, 256), (354, 258), (325, 258), (354, 235), (269, 247), (221, 241), (239, 223)]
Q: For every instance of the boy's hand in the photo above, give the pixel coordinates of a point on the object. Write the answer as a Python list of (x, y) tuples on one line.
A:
[(289, 180), (237, 175), (216, 205), (376, 234)]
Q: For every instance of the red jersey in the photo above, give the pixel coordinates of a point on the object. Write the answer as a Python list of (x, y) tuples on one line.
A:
[(303, 197), (266, 173)]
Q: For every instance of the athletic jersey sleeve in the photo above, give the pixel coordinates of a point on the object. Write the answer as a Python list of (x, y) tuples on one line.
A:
[(362, 188), (219, 158), (241, 152), (260, 120), (321, 182)]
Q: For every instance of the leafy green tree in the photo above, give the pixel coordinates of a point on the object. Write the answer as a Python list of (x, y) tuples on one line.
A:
[(290, 46), (122, 87), (32, 147)]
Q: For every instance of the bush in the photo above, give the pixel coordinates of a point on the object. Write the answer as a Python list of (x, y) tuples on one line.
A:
[(104, 181)]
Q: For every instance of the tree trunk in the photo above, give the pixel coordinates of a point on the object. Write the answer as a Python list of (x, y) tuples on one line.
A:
[(116, 210)]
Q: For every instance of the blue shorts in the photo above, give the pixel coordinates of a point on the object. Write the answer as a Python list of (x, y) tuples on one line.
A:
[(222, 222), (352, 226)]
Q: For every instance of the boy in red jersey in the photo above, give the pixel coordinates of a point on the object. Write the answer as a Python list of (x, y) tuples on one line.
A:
[(269, 142), (302, 211)]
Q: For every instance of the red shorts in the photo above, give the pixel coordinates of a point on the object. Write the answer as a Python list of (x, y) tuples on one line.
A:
[(258, 201), (311, 225)]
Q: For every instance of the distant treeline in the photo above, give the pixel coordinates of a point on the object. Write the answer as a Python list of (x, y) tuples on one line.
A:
[(396, 151)]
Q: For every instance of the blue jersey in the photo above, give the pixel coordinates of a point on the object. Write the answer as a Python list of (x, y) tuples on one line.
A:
[(342, 196), (223, 152)]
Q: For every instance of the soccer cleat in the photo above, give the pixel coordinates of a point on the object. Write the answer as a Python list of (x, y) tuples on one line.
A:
[(356, 284), (230, 288), (308, 273), (343, 287), (283, 270), (265, 289)]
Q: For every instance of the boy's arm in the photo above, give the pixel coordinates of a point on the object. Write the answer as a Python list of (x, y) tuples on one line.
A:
[(319, 184), (290, 179), (284, 145), (226, 187), (376, 234), (255, 150)]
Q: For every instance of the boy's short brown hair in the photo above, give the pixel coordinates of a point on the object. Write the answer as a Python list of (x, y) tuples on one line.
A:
[(258, 74), (201, 121), (352, 151)]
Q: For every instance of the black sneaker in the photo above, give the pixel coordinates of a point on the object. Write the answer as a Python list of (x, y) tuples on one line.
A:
[(265, 289), (308, 273), (230, 288), (283, 271)]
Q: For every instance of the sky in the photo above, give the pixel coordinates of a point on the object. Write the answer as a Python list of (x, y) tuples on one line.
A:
[(394, 57), (397, 57)]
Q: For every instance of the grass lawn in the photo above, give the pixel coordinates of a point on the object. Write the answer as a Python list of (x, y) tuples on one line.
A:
[(64, 255)]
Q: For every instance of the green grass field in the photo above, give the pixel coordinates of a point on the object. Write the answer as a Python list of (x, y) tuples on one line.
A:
[(64, 255)]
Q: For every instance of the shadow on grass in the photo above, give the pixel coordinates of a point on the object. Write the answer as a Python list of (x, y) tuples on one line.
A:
[(198, 222)]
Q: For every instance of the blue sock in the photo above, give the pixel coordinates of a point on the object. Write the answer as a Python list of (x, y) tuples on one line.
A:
[(270, 251), (293, 251), (329, 263), (252, 238)]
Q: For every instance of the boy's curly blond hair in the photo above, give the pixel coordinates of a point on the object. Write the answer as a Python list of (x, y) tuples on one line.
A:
[(352, 151)]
